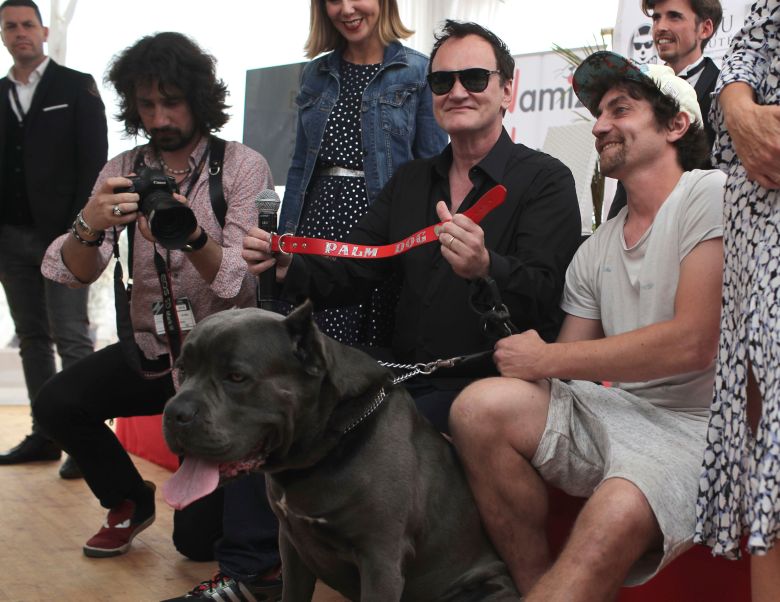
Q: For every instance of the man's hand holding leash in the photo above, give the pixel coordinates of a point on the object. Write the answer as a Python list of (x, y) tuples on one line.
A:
[(522, 356), (462, 244)]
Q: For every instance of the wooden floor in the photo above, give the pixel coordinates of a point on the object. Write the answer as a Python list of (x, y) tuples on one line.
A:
[(45, 520)]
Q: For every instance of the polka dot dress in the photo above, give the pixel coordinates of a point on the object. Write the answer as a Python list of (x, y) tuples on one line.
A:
[(334, 204), (739, 490)]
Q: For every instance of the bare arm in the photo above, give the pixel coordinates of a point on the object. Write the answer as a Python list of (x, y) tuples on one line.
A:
[(82, 260), (575, 328), (755, 131), (685, 343)]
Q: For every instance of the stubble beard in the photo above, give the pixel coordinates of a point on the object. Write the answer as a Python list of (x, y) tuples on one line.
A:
[(613, 161), (171, 139)]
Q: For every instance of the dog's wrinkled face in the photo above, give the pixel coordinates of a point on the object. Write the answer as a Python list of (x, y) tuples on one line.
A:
[(243, 374), (256, 393)]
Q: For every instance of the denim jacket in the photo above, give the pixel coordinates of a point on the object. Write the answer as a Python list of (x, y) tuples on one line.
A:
[(397, 122)]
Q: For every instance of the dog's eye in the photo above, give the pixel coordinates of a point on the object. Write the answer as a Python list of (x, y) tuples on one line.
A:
[(236, 377)]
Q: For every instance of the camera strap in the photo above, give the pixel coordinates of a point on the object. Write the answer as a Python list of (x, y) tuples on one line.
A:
[(215, 150), (170, 316), (124, 326), (216, 192)]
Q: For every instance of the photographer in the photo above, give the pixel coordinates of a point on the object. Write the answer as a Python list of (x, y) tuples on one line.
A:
[(169, 92)]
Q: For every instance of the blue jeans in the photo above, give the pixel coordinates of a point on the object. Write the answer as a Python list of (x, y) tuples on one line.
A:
[(234, 525), (250, 536), (45, 313)]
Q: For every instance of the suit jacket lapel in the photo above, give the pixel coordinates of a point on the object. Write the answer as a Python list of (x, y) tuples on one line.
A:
[(5, 86), (41, 90), (707, 79)]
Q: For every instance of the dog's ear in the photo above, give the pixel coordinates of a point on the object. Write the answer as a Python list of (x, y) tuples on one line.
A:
[(308, 342)]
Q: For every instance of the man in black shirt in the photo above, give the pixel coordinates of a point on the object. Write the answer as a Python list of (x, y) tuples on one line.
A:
[(525, 244)]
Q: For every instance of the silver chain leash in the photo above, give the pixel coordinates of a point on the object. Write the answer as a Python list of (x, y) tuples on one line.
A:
[(420, 368)]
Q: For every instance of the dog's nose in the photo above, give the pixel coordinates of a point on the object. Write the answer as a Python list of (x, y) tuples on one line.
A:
[(181, 413)]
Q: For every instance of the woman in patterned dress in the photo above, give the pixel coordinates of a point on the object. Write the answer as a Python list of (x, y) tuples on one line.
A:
[(740, 484), (363, 109)]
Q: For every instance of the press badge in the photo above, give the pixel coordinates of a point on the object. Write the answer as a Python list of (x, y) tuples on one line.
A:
[(183, 308)]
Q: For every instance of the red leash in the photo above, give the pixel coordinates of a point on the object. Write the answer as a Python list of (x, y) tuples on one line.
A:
[(301, 245)]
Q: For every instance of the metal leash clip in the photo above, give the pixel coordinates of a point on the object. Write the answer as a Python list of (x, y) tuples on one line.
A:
[(420, 368), (495, 320), (494, 316)]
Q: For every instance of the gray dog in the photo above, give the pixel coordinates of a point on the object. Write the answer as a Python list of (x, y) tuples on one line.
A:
[(370, 498)]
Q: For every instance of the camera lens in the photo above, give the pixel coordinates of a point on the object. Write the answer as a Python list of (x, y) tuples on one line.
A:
[(171, 222)]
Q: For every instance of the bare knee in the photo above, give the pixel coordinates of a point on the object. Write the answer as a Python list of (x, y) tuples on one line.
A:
[(500, 410), (475, 409), (616, 527)]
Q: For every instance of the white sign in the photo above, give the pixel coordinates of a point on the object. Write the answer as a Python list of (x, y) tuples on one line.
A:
[(542, 97), (633, 37)]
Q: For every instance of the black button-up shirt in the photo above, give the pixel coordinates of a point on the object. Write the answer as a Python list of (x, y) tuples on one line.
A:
[(531, 238)]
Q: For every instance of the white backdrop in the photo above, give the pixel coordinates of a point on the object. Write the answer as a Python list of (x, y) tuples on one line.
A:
[(630, 19), (542, 97), (246, 34)]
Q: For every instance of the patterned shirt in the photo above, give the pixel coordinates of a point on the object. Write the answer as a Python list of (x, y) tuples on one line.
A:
[(752, 60), (244, 174)]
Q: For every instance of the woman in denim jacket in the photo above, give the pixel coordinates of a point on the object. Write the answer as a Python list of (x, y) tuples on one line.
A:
[(363, 109)]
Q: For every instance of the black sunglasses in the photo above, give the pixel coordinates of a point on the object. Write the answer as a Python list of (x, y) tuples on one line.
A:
[(474, 80)]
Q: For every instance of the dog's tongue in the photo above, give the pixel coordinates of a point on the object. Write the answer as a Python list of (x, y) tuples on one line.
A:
[(194, 480)]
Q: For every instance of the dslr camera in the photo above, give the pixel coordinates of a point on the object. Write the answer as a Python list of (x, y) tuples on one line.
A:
[(171, 222)]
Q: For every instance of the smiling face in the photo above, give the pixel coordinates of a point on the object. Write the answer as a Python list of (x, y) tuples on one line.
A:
[(678, 33), (460, 112), (23, 35), (355, 20), (627, 134)]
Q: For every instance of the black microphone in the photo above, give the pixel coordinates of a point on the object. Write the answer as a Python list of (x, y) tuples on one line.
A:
[(268, 204)]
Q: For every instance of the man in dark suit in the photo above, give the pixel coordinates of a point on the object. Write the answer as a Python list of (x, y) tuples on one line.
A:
[(53, 142), (681, 30)]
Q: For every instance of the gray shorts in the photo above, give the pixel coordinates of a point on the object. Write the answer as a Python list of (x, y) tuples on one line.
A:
[(594, 433)]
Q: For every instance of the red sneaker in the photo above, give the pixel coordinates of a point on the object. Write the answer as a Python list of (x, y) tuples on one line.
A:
[(117, 533)]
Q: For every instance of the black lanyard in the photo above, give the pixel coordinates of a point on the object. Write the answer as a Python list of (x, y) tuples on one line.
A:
[(170, 314), (122, 295)]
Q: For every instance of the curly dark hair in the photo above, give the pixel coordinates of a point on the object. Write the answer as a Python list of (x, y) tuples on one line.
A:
[(459, 29), (693, 148), (173, 61)]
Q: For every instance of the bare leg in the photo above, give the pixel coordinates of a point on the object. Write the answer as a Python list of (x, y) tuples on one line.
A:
[(765, 575), (496, 425), (764, 570), (614, 529)]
